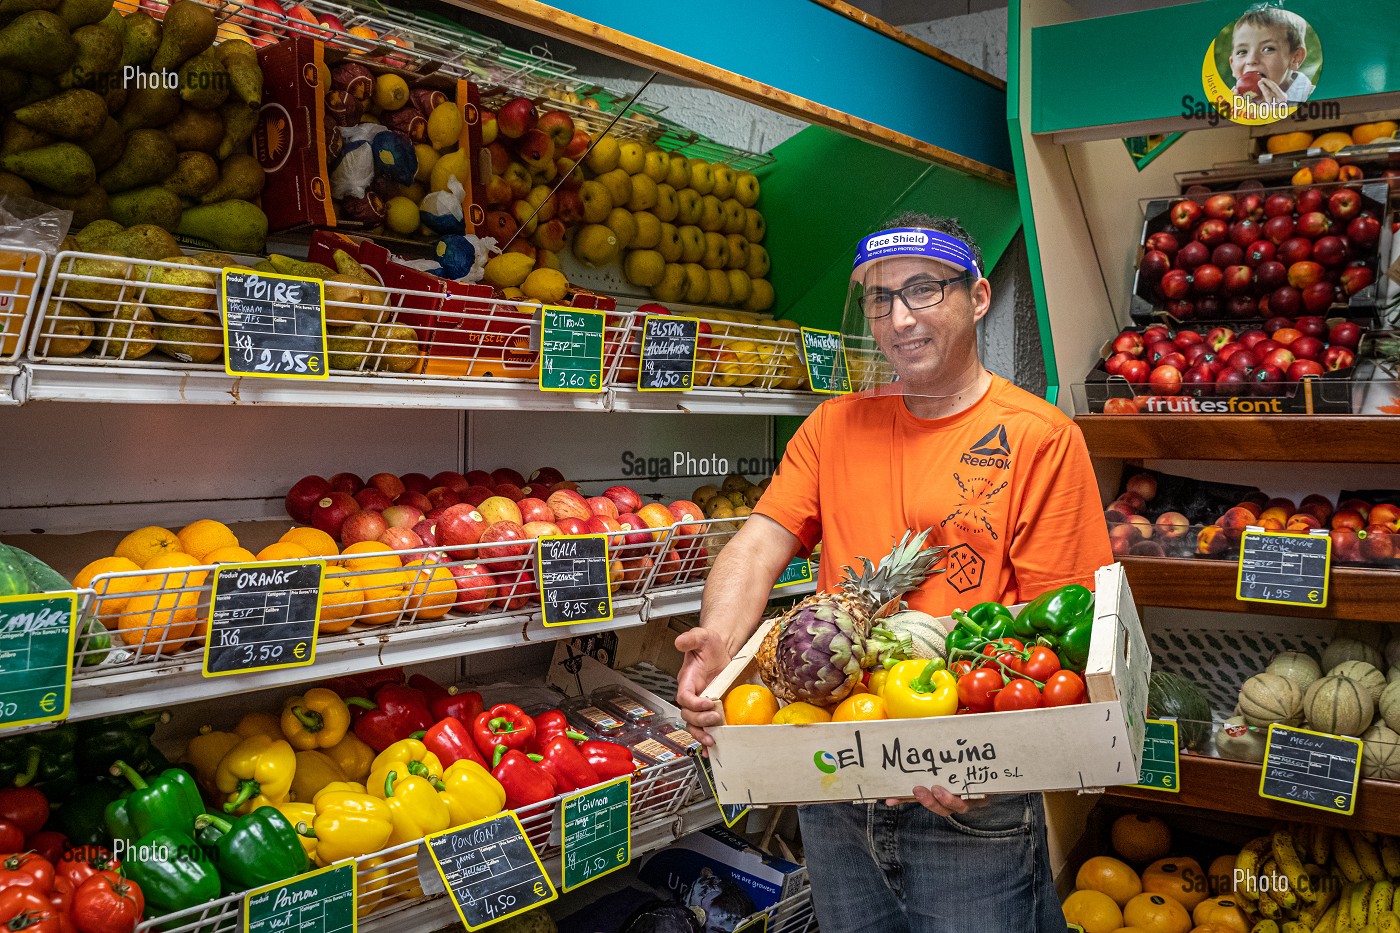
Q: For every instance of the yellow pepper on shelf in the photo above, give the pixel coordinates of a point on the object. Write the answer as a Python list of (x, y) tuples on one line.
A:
[(407, 757), (372, 885), (257, 772), (353, 755), (301, 813), (259, 724), (317, 719), (415, 806), (349, 823), (204, 753), (920, 688), (471, 793), (314, 771)]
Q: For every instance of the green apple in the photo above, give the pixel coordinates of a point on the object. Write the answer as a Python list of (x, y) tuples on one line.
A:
[(649, 230), (604, 155), (734, 217), (711, 213), (746, 189), (597, 201), (702, 177), (667, 207), (740, 286), (644, 267), (692, 243), (697, 283), (758, 262), (677, 171), (644, 194), (738, 251), (761, 298), (669, 242), (619, 185), (716, 251), (632, 157), (672, 285), (754, 226), (656, 165), (718, 286), (596, 244), (622, 225), (688, 206), (724, 180)]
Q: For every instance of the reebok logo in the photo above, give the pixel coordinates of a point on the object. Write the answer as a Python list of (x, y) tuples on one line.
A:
[(992, 450)]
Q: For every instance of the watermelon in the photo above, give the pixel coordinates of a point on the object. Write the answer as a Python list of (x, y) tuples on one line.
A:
[(13, 579), (1339, 705), (1173, 696)]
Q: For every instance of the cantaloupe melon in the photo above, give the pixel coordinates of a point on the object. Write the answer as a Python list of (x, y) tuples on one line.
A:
[(1350, 649), (1298, 667), (1392, 654), (923, 629), (1364, 674), (1340, 706), (1270, 698), (1380, 753), (1389, 705)]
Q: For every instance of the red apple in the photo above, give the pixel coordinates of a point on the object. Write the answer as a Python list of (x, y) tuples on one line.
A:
[(1249, 206), (1245, 232), (415, 500), (504, 539), (602, 505), (1286, 300), (1238, 280), (1218, 337), (534, 510), (1251, 338), (347, 483), (1280, 359), (509, 491), (1165, 380), (1260, 251), (1165, 242), (362, 526), (1314, 224), (537, 490), (1309, 200), (1364, 230), (452, 480), (568, 504), (1336, 358), (1207, 279), (1294, 250), (373, 499), (501, 509), (440, 497), (1129, 343), (541, 529), (1271, 275), (476, 587), (1344, 204), (1185, 338), (1306, 348), (1304, 368), (1231, 382), (1135, 371), (1155, 264), (480, 478), (1212, 232), (402, 516), (1279, 228), (1345, 334), (426, 530), (1331, 250), (1184, 309), (304, 495), (1318, 296), (1227, 254), (548, 475), (1192, 255), (416, 482), (1184, 214), (331, 510), (475, 495), (606, 525), (516, 587), (572, 526), (515, 117), (1279, 205), (1220, 206), (1176, 284), (507, 475), (387, 483), (401, 539), (1356, 278), (1199, 380), (1244, 361)]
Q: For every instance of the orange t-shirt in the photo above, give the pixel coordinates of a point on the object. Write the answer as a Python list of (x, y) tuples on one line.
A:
[(1006, 486)]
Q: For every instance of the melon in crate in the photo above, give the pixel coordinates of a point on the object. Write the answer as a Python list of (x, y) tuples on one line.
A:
[(1350, 649), (926, 633), (1270, 698), (1380, 752), (1392, 654), (1389, 705), (1297, 666), (1339, 705), (1238, 740), (1364, 674)]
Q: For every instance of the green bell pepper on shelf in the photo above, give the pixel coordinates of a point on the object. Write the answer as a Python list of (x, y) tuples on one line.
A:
[(174, 873), (102, 742), (1056, 611), (994, 618), (252, 851), (169, 801), (82, 819), (46, 761)]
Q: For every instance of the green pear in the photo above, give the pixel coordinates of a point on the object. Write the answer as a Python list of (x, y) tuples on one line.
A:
[(106, 146), (87, 207), (348, 347), (195, 129), (307, 270), (245, 75), (76, 115), (96, 296), (63, 167), (127, 332), (187, 29), (16, 137), (195, 174), (99, 56), (140, 38), (181, 306), (90, 233), (150, 205), (149, 156), (67, 331), (77, 13), (38, 43), (148, 107), (236, 226), (239, 121), (15, 7), (12, 184), (241, 177), (142, 241), (204, 80), (201, 340)]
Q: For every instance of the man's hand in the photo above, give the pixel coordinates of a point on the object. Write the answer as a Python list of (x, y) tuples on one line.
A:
[(706, 654), (941, 801)]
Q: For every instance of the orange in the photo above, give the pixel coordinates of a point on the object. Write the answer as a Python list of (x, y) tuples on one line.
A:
[(1179, 878), (1131, 930), (1223, 913), (1222, 875), (383, 604), (145, 544), (1094, 911), (230, 555), (316, 541), (283, 550), (206, 535), (113, 591), (341, 601), (1156, 913), (749, 705), (175, 581), (1289, 142), (160, 622), (1107, 875), (1370, 132), (433, 591), (1141, 838), (383, 558), (860, 707), (1331, 142)]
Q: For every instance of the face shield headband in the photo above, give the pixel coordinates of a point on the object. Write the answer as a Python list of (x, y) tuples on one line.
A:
[(913, 241)]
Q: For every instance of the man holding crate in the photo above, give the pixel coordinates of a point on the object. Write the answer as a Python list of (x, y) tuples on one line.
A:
[(1004, 481)]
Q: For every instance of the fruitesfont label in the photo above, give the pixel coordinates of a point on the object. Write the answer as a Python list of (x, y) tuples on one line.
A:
[(490, 870), (36, 651), (1260, 67), (1311, 769), (1284, 568), (274, 325), (597, 831), (320, 901), (263, 616)]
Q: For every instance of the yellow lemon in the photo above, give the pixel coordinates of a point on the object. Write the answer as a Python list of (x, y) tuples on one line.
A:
[(444, 125), (547, 285), (401, 215), (795, 713), (508, 269), (427, 158), (390, 92)]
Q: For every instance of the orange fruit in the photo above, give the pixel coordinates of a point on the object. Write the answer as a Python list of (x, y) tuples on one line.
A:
[(1370, 132), (206, 535), (145, 544), (860, 707), (383, 604), (175, 581), (230, 555), (1094, 911), (1179, 878), (159, 622), (1331, 142), (341, 601), (283, 550), (1141, 838), (316, 541), (749, 705), (1221, 875), (1107, 875), (383, 558), (1157, 913), (1222, 913), (433, 590), (112, 591), (1289, 142)]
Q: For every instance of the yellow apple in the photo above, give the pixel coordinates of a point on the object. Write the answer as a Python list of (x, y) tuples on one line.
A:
[(688, 206), (656, 165), (672, 285), (711, 214), (677, 171), (622, 225), (644, 194), (604, 155), (746, 189), (702, 177), (596, 244), (549, 236), (669, 242), (724, 180), (649, 232), (697, 283), (619, 185), (754, 226), (758, 262), (644, 267), (734, 217), (525, 216), (740, 286), (667, 207), (761, 299), (738, 251), (716, 251), (597, 201), (719, 286), (546, 259), (692, 243), (632, 157)]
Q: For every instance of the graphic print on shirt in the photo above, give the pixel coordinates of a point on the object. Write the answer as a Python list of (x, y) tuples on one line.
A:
[(964, 568), (992, 450), (976, 497)]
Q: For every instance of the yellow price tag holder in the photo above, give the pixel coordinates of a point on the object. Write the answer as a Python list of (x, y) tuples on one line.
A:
[(597, 832), (37, 634), (668, 353), (1284, 568), (824, 352), (490, 870), (571, 349), (274, 325), (263, 616), (1161, 757), (320, 901), (1311, 769)]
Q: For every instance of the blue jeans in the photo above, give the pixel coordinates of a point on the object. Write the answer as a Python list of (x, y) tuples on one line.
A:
[(904, 869)]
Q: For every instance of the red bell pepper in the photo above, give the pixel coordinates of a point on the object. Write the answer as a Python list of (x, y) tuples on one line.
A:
[(608, 759), (566, 763), (451, 741), (550, 724), (396, 713), (524, 780), (445, 702), (504, 724), (364, 685)]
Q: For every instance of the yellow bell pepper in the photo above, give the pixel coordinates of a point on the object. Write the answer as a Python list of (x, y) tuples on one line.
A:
[(415, 806), (351, 786), (919, 688), (407, 757), (471, 793), (349, 824), (204, 753), (314, 771), (259, 724), (303, 813), (372, 889), (257, 772), (317, 719), (353, 755)]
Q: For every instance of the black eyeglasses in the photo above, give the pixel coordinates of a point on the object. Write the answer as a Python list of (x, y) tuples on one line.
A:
[(918, 296)]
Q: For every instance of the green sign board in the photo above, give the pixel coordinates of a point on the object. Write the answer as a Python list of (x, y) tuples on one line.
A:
[(322, 901), (798, 570), (571, 350), (825, 353), (1161, 757), (597, 832), (36, 657)]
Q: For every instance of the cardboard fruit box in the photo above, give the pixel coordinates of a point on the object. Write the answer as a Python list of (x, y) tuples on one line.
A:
[(1084, 748)]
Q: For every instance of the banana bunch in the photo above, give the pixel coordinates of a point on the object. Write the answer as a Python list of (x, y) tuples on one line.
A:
[(1315, 879)]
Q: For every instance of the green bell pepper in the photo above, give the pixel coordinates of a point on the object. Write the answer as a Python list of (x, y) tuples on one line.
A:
[(102, 742), (1056, 611), (169, 801), (94, 643), (81, 819), (174, 873), (46, 762), (252, 851), (966, 639), (994, 618), (1073, 648)]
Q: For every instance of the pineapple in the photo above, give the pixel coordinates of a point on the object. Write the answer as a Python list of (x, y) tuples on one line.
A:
[(817, 651)]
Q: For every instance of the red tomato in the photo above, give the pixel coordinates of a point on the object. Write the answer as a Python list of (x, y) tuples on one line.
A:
[(26, 869), (975, 689), (11, 837), (1041, 664), (1007, 651), (1064, 688), (108, 903), (26, 807), (1019, 694), (25, 908), (961, 668), (51, 845), (82, 862)]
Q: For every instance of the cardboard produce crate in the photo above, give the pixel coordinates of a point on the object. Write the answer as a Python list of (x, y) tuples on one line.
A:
[(1081, 748)]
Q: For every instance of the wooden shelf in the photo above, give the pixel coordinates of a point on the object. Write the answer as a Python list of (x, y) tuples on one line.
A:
[(1293, 438), (1186, 583), (1216, 784)]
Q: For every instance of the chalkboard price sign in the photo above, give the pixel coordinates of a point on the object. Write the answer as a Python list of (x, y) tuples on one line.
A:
[(825, 353), (263, 616), (490, 870), (321, 901), (1161, 757), (731, 813), (597, 827), (571, 350), (1312, 769), (274, 325), (798, 570), (1284, 568), (573, 573), (36, 657), (668, 353)]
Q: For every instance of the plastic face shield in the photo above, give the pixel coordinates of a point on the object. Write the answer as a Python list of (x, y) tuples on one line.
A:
[(900, 279)]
